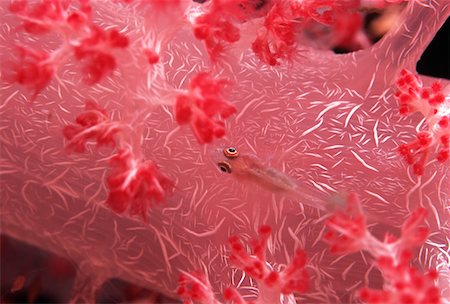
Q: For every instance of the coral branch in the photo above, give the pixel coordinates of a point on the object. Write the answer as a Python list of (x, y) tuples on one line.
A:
[(231, 294), (93, 123), (194, 286), (429, 101), (34, 69), (134, 184), (414, 232), (94, 52), (218, 26), (90, 44), (272, 284), (403, 283), (277, 39), (347, 228), (51, 15), (255, 266)]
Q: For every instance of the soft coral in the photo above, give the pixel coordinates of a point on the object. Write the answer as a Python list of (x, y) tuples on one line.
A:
[(93, 123), (34, 69), (272, 285), (403, 283), (201, 104), (276, 40), (95, 52), (135, 183), (414, 97), (218, 26)]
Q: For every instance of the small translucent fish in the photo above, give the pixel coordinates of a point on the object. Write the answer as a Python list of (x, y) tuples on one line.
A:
[(250, 168)]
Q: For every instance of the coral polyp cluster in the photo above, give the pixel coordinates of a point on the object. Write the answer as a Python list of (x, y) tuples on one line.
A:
[(112, 113), (134, 184), (273, 285), (201, 104), (348, 233), (413, 97), (403, 283), (90, 44)]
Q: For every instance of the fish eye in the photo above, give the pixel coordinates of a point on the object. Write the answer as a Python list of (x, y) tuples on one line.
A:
[(224, 167), (230, 152)]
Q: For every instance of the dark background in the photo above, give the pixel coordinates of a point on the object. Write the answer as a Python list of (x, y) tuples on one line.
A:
[(435, 60)]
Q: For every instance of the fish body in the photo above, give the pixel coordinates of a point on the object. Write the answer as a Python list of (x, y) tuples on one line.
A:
[(249, 167)]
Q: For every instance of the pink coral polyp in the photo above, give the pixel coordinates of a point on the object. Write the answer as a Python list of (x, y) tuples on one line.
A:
[(293, 279), (405, 284), (413, 97), (135, 184), (201, 105), (34, 70), (93, 123), (94, 52)]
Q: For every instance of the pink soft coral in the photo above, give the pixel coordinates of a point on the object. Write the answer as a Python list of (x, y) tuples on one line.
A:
[(33, 69), (428, 101), (272, 285), (93, 46), (93, 123), (200, 105), (403, 282), (95, 54), (135, 183)]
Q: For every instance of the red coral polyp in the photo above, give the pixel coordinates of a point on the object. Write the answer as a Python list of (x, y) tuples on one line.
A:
[(413, 97), (93, 123), (34, 69), (409, 93), (416, 152), (152, 56), (97, 66), (231, 294), (293, 279), (403, 284), (217, 26), (277, 39), (95, 53), (414, 232), (40, 17), (194, 286), (90, 44), (443, 134), (295, 276), (48, 15), (135, 184), (93, 115), (201, 105), (347, 228)]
